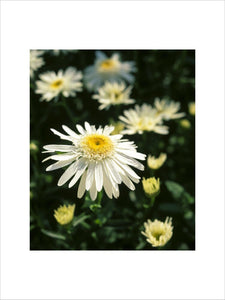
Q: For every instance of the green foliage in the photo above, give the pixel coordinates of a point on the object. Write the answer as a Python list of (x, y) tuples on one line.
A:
[(116, 224)]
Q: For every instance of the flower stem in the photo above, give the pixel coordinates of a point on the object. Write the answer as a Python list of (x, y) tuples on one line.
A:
[(67, 109)]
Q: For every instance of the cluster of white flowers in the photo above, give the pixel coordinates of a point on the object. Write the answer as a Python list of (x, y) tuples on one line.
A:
[(100, 158)]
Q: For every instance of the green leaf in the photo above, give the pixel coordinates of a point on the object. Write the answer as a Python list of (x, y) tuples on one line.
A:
[(53, 234), (79, 219), (174, 188), (188, 215), (189, 198), (171, 208)]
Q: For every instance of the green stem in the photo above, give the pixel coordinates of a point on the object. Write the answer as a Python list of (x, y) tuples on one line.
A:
[(67, 109), (152, 201)]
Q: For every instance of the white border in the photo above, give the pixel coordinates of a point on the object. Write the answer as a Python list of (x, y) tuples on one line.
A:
[(100, 274)]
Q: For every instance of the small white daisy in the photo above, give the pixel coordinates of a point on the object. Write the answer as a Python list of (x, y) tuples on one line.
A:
[(97, 158), (52, 84), (168, 109), (113, 94), (35, 61), (142, 118), (108, 69)]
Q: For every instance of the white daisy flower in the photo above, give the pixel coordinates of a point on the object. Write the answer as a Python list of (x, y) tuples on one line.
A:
[(35, 61), (108, 69), (142, 118), (113, 94), (97, 158), (168, 109), (52, 84)]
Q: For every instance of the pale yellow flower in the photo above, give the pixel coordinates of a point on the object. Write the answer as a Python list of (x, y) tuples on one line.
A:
[(64, 214), (168, 110), (113, 94), (185, 123), (151, 186), (156, 163), (142, 118), (191, 107), (158, 233)]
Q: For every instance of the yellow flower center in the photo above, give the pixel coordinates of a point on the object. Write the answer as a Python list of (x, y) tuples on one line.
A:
[(96, 146), (108, 65), (144, 124), (156, 234), (57, 84)]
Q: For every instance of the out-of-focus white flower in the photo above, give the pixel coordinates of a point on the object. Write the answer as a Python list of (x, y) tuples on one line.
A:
[(108, 69), (35, 61), (142, 118), (168, 109), (98, 158), (52, 84), (113, 94), (156, 163), (158, 233)]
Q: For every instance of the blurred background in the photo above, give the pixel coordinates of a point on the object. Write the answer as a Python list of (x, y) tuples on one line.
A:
[(118, 223)]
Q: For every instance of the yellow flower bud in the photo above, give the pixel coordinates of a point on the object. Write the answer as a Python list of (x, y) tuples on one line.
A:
[(191, 107), (185, 123), (64, 214), (33, 147), (158, 233), (151, 186), (156, 163), (118, 127)]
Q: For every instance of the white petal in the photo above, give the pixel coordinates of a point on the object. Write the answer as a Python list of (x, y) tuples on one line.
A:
[(87, 127), (81, 188), (116, 191), (93, 191), (60, 157), (107, 184), (80, 170), (130, 161), (130, 172), (61, 148), (132, 154), (112, 171), (68, 173), (80, 129), (106, 171), (62, 136), (98, 176), (108, 129), (90, 175), (69, 131), (59, 164), (128, 182)]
